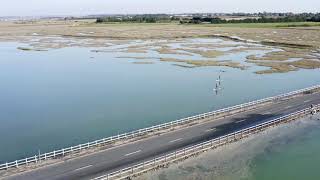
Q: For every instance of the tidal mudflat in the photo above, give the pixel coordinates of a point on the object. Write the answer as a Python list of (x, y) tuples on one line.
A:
[(297, 46), (192, 52), (87, 93)]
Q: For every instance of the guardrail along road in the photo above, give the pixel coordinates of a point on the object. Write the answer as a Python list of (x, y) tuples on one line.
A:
[(118, 157)]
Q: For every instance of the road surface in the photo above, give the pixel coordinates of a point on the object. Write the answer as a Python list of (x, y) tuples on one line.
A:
[(100, 163)]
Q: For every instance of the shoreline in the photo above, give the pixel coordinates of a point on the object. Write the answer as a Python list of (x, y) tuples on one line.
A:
[(300, 43)]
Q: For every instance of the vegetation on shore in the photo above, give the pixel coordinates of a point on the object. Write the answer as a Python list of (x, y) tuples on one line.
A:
[(305, 17), (302, 43), (213, 19), (263, 25), (145, 18)]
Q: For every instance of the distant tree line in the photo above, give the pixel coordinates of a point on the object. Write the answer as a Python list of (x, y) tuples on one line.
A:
[(294, 18), (147, 18), (315, 18), (198, 18)]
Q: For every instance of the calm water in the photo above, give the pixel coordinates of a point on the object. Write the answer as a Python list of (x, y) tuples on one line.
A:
[(287, 152), (63, 97), (294, 157)]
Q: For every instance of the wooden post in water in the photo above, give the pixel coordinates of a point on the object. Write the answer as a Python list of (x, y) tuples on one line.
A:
[(39, 158)]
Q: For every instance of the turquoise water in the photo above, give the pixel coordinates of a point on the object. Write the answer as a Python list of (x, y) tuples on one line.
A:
[(286, 152), (294, 158), (64, 97)]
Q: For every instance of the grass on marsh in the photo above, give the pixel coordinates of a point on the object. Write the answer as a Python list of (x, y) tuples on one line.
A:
[(284, 55), (283, 67)]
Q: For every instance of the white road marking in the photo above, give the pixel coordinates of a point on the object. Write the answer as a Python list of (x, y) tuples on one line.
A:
[(307, 101), (83, 168), (133, 153), (268, 112), (213, 129), (288, 107), (241, 121), (175, 140)]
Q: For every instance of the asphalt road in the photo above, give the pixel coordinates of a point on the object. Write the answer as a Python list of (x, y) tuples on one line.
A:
[(123, 156)]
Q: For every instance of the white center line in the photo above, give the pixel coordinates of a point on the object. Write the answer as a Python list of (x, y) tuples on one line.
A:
[(307, 101), (175, 140), (288, 107), (268, 112), (241, 121), (83, 168), (132, 153), (213, 129)]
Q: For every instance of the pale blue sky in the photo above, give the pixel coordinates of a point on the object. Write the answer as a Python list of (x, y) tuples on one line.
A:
[(83, 7)]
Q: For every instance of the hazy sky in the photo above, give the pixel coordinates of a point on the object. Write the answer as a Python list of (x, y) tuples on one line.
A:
[(83, 7)]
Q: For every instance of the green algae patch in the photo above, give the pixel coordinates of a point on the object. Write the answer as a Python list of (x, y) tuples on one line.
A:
[(183, 66), (30, 49)]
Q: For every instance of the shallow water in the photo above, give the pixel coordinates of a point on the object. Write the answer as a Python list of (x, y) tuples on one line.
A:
[(63, 97), (295, 157), (288, 151)]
